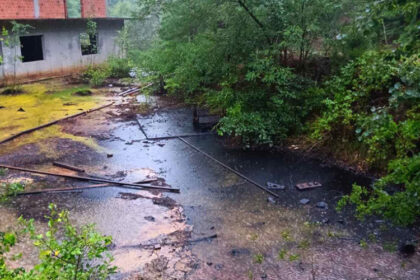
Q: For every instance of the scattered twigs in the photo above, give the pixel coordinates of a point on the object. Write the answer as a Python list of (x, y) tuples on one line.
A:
[(53, 122), (125, 185), (153, 245), (230, 168), (69, 167)]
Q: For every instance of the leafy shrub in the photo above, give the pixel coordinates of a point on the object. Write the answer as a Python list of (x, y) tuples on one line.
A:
[(10, 189), (118, 67), (96, 75), (65, 252), (402, 206)]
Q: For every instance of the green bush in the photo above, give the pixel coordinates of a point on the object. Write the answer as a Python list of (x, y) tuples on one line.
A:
[(96, 75), (65, 252), (402, 206), (118, 67)]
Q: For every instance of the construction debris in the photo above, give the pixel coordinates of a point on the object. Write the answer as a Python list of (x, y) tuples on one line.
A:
[(308, 185), (274, 186), (125, 185)]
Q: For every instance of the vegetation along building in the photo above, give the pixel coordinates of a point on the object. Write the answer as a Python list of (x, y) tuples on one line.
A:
[(42, 38)]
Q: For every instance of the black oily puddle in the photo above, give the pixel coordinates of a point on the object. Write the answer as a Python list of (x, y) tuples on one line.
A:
[(284, 168), (169, 122)]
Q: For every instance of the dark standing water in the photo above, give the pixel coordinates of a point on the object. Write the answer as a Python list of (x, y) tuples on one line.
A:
[(256, 239)]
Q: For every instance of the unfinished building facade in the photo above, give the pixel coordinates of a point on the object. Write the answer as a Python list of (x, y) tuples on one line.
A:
[(52, 42)]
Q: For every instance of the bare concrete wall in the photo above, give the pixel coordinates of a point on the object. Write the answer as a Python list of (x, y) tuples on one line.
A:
[(61, 48)]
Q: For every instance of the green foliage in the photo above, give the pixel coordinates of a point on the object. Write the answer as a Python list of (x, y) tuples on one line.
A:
[(3, 171), (373, 102), (259, 64), (10, 189), (65, 252), (118, 67), (259, 258), (96, 75), (73, 8), (402, 206)]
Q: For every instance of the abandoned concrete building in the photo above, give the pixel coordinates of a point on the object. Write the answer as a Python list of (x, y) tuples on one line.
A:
[(55, 44)]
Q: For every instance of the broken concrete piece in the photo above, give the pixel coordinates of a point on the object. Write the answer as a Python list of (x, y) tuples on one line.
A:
[(308, 185), (304, 201), (271, 200), (322, 205), (274, 186)]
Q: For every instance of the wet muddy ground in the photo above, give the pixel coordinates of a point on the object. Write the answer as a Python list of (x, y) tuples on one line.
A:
[(154, 233)]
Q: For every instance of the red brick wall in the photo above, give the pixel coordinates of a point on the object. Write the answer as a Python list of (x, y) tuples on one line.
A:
[(93, 8), (52, 9), (16, 9)]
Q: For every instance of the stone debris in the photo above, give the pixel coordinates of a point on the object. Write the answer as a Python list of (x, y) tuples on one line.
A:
[(322, 205), (304, 201), (308, 185), (274, 186)]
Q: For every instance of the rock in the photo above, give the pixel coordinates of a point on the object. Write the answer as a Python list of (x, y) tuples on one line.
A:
[(341, 221), (274, 186), (264, 276), (150, 218), (157, 247), (2, 107), (325, 221), (218, 266), (239, 251), (161, 144), (322, 205), (21, 110), (271, 200), (109, 155), (308, 185), (304, 201), (209, 263), (212, 228), (129, 143)]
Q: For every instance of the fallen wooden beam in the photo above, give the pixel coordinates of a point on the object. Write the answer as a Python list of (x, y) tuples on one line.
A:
[(53, 122), (125, 185), (230, 168), (69, 167), (128, 90)]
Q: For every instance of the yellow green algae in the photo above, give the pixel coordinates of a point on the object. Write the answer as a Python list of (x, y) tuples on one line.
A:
[(40, 107), (42, 103)]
